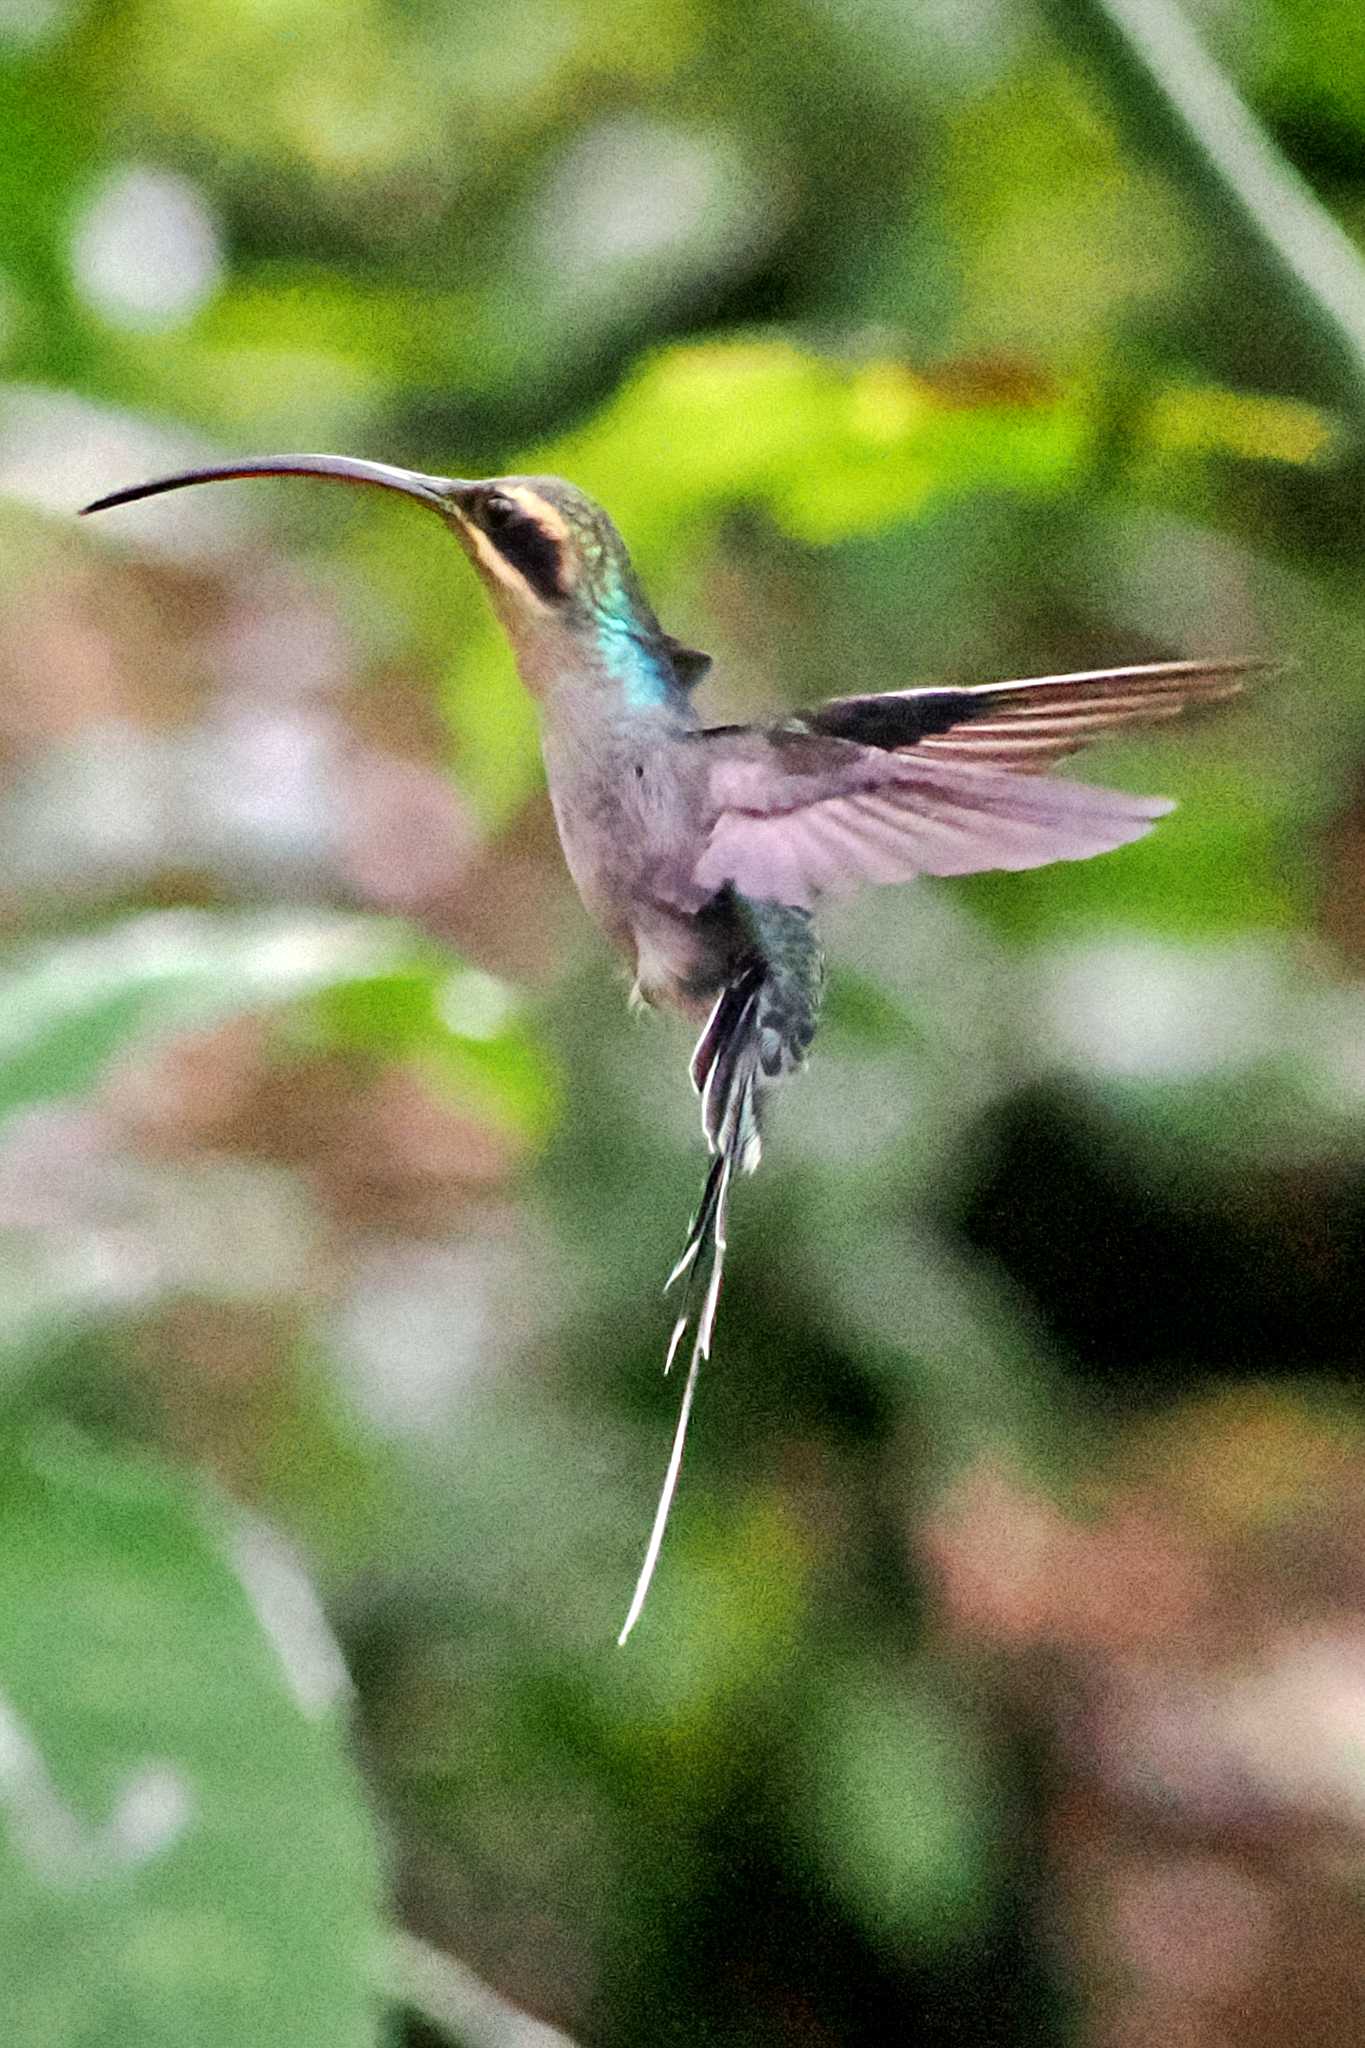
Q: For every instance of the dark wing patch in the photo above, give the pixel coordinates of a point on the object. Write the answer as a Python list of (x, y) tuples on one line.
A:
[(900, 719), (1028, 726)]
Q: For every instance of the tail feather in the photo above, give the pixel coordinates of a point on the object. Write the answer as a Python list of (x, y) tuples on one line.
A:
[(726, 1069), (701, 1268), (759, 1029)]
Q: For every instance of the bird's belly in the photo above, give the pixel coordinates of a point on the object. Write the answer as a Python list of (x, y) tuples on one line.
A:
[(678, 963), (679, 959)]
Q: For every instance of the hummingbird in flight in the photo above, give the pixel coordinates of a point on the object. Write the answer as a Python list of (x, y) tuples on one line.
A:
[(702, 850)]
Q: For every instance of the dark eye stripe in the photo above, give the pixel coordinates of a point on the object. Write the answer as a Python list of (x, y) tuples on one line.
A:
[(528, 549)]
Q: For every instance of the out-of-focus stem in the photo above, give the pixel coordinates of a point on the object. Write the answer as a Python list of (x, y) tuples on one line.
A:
[(453, 2000), (1194, 118)]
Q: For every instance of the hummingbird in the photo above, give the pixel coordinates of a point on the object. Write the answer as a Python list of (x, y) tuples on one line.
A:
[(703, 850)]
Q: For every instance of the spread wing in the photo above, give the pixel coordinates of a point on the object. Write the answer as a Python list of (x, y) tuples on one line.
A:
[(932, 782), (1028, 726)]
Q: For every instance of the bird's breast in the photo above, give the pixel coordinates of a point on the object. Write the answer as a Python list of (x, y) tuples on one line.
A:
[(631, 822)]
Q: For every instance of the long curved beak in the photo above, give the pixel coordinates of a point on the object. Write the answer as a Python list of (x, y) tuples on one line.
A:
[(441, 493)]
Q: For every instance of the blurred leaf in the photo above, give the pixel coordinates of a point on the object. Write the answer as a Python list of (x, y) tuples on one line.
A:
[(69, 1007), (71, 1004), (901, 1807), (456, 1023), (1198, 420), (1212, 1057), (185, 1853), (831, 447)]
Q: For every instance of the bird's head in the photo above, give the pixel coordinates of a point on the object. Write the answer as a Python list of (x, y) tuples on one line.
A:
[(552, 562)]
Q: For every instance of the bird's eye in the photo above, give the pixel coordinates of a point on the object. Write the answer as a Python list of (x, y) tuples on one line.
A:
[(499, 513), (522, 543)]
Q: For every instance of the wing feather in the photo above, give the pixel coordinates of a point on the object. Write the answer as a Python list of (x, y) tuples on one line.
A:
[(1028, 725), (934, 782), (882, 818)]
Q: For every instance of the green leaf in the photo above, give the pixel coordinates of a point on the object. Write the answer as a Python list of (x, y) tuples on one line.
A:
[(348, 981), (68, 1006), (899, 1808), (831, 447), (185, 1854), (456, 1023)]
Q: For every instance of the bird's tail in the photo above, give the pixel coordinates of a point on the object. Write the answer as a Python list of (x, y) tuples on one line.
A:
[(759, 1030)]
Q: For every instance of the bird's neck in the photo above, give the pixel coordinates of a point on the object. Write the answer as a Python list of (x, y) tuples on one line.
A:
[(637, 667), (619, 663)]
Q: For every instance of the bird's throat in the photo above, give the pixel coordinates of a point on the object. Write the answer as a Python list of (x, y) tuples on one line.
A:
[(642, 674)]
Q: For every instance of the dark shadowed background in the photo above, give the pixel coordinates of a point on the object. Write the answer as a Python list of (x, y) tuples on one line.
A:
[(1004, 1678)]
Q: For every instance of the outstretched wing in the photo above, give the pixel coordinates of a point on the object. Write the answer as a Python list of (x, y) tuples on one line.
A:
[(1028, 726), (929, 782)]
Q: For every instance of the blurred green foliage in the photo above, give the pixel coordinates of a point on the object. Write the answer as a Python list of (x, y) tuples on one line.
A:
[(901, 343), (156, 1890)]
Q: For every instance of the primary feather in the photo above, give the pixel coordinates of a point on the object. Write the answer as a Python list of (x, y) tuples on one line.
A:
[(933, 782), (1030, 725)]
